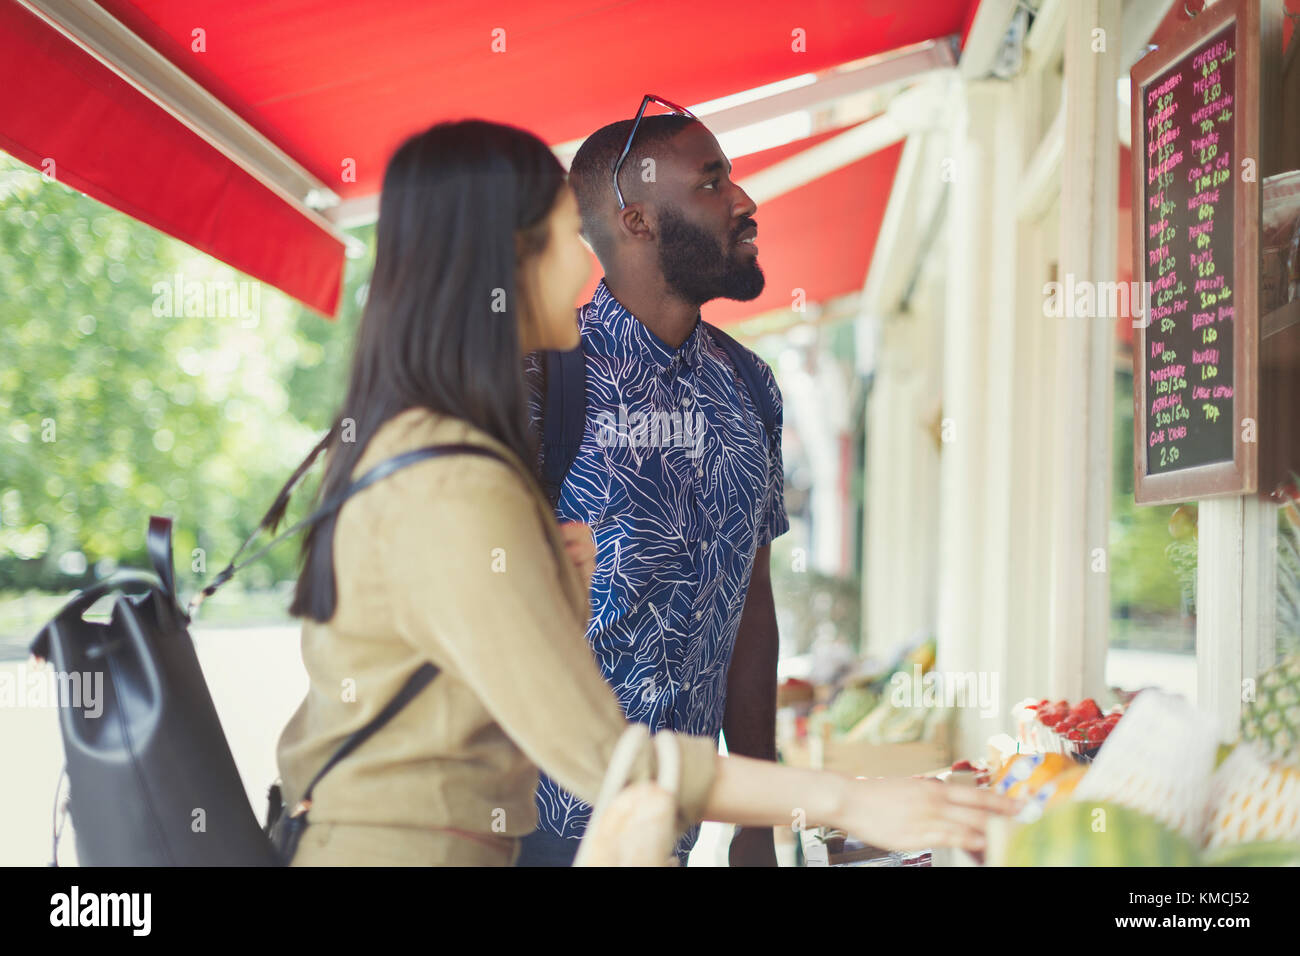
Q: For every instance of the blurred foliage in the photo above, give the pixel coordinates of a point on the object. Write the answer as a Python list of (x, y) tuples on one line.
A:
[(110, 413), (1152, 573), (1287, 637), (812, 605)]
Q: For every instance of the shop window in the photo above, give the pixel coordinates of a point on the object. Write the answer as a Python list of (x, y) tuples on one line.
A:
[(1152, 575), (1287, 620)]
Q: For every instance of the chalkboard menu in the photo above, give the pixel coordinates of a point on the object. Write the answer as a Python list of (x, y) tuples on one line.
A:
[(1195, 157)]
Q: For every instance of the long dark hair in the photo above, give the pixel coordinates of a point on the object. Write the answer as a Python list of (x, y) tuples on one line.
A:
[(461, 203)]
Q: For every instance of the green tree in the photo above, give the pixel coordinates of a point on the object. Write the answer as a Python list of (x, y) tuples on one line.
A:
[(115, 404)]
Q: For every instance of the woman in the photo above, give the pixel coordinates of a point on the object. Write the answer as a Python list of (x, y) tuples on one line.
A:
[(458, 561)]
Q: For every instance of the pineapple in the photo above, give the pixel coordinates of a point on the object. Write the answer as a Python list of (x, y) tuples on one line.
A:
[(1272, 720), (1252, 801)]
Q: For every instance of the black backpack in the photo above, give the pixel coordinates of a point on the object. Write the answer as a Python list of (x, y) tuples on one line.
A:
[(564, 415), (151, 778)]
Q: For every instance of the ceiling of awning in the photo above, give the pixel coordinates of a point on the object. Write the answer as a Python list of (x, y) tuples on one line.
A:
[(337, 84)]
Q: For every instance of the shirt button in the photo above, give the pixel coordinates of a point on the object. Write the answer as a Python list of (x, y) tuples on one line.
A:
[(686, 400), (699, 470), (697, 615), (704, 546)]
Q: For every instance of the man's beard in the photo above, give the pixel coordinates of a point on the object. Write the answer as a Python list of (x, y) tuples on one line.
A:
[(699, 269)]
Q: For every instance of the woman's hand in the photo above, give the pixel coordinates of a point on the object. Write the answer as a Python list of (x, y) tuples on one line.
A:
[(910, 813), (580, 545)]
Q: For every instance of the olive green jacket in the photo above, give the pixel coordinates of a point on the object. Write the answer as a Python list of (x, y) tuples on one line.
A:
[(459, 561)]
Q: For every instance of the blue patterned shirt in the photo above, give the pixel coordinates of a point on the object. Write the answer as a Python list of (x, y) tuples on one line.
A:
[(681, 486)]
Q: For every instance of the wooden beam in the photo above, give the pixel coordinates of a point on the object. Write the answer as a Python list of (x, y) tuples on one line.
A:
[(111, 43)]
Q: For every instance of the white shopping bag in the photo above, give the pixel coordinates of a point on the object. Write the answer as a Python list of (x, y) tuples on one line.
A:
[(635, 825)]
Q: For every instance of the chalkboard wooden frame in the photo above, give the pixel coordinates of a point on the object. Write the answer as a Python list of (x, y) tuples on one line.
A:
[(1241, 474)]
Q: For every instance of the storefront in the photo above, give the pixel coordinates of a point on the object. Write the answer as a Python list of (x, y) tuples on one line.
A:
[(998, 437)]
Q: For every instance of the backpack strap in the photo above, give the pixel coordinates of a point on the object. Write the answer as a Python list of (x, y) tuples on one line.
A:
[(423, 675), (285, 826), (743, 362), (379, 472), (564, 417)]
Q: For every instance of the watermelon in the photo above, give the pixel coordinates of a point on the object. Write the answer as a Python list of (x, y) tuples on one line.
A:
[(1270, 853), (1092, 833)]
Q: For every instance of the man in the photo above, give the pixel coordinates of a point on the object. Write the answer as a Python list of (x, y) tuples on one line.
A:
[(676, 474)]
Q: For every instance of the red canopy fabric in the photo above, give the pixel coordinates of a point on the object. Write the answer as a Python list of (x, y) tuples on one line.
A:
[(338, 83), (109, 141)]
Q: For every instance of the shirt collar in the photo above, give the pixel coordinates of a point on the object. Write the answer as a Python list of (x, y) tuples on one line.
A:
[(623, 334)]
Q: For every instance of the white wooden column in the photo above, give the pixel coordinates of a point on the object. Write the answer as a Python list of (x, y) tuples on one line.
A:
[(1002, 490), (1235, 602), (965, 343), (902, 480), (1080, 601), (1035, 395)]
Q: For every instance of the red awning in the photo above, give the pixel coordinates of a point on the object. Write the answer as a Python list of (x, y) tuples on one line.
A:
[(337, 84), (111, 142)]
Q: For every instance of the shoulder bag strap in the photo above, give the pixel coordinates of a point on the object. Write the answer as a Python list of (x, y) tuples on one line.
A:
[(379, 472), (749, 374), (564, 417)]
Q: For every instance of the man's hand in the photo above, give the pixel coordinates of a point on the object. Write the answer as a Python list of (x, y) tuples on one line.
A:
[(580, 545), (752, 846)]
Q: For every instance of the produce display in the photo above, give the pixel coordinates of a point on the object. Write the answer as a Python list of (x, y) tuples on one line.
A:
[(1158, 761), (1254, 854), (1059, 727), (874, 709), (1098, 834), (1145, 782), (1042, 780), (1272, 719), (1253, 800), (1162, 792), (850, 706)]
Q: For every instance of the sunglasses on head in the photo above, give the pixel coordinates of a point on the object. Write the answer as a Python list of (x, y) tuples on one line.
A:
[(645, 101)]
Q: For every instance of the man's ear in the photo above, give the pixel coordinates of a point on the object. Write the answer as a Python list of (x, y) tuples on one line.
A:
[(633, 220)]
